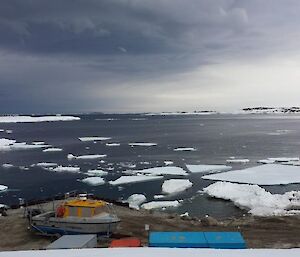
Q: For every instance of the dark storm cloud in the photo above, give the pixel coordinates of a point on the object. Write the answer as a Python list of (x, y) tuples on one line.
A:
[(55, 54)]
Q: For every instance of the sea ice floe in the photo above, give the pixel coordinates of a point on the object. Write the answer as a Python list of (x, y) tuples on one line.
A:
[(159, 196), (203, 168), (45, 164), (142, 144), (1, 130), (134, 179), (112, 144), (65, 169), (168, 162), (97, 173), (87, 139), (173, 186), (160, 204), (283, 160), (54, 149), (3, 188), (93, 181), (38, 143), (169, 170), (16, 119), (8, 131), (11, 144), (237, 160), (136, 200), (178, 149), (7, 165), (268, 174), (86, 157), (257, 200)]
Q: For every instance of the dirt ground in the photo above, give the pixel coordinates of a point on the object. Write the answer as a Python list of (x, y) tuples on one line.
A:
[(267, 232)]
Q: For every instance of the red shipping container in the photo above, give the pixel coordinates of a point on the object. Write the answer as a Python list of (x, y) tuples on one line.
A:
[(126, 242)]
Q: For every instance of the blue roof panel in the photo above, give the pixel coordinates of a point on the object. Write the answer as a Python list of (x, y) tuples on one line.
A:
[(225, 240)]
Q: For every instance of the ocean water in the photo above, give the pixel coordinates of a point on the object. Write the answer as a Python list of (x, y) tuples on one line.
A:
[(216, 138)]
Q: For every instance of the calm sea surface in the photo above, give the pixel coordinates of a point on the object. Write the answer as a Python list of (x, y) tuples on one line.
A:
[(216, 138)]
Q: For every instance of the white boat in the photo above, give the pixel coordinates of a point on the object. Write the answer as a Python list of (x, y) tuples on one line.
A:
[(77, 216)]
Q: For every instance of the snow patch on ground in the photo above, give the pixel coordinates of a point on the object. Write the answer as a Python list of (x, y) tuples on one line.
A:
[(268, 174), (203, 168), (93, 181), (134, 179), (16, 119), (88, 139), (136, 200), (257, 200), (160, 204), (173, 186), (86, 157)]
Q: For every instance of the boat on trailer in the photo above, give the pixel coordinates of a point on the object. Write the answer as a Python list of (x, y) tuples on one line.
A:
[(77, 216)]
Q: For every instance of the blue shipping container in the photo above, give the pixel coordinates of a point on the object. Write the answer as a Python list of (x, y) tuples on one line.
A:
[(178, 239), (225, 240)]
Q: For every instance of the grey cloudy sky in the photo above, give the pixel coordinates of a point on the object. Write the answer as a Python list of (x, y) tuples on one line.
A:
[(138, 55)]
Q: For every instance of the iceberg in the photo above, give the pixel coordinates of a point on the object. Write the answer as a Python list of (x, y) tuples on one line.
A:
[(134, 179), (179, 149), (23, 119), (203, 168), (87, 139), (173, 186), (54, 149), (93, 181), (169, 170), (136, 200), (255, 199), (268, 174), (65, 169), (97, 173), (3, 188), (142, 144), (86, 157), (112, 144), (160, 204)]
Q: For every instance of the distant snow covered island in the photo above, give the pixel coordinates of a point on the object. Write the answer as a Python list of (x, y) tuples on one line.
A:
[(22, 119), (270, 110)]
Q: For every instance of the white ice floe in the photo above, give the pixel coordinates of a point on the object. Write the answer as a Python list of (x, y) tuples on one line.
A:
[(11, 144), (142, 144), (257, 200), (45, 164), (159, 196), (97, 173), (54, 149), (3, 188), (87, 139), (86, 157), (16, 119), (155, 251), (1, 130), (169, 170), (168, 162), (181, 113), (179, 149), (265, 161), (38, 143), (160, 204), (93, 181), (203, 168), (173, 186), (136, 200), (268, 174), (65, 169), (238, 161), (284, 160), (7, 165), (112, 144), (8, 131), (134, 179)]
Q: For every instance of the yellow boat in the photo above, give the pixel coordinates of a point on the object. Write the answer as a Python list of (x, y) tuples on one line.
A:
[(77, 216)]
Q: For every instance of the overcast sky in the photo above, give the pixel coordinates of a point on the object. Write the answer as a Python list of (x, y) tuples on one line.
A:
[(138, 55)]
